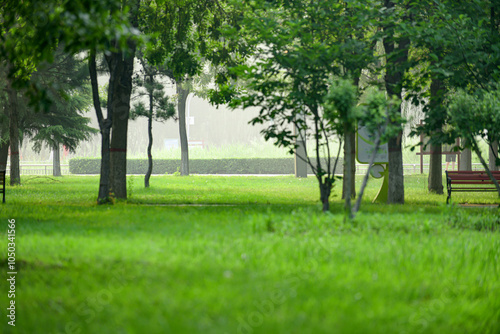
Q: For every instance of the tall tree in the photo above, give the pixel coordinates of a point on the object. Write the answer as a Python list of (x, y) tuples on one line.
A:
[(340, 107), (105, 130), (396, 45), (430, 79), (63, 123), (457, 42), (159, 107), (182, 96), (15, 171), (477, 116), (292, 49), (379, 116), (121, 68), (354, 36), (435, 180), (80, 25), (344, 26), (4, 122), (119, 52), (188, 28)]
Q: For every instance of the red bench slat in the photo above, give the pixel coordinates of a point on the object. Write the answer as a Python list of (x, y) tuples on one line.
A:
[(468, 172)]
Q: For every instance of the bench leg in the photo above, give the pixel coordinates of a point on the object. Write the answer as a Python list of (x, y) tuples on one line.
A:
[(449, 193)]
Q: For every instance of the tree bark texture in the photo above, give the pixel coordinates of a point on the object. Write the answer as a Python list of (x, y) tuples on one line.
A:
[(181, 109), (396, 54), (486, 168), (325, 189), (396, 178), (15, 171), (396, 193), (493, 153), (351, 138), (435, 180), (348, 163), (121, 66), (4, 154), (349, 172), (56, 161), (465, 160), (105, 180), (150, 143), (105, 128)]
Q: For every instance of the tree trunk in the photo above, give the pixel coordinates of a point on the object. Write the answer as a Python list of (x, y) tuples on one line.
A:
[(351, 138), (105, 127), (396, 55), (348, 163), (181, 109), (121, 66), (4, 154), (325, 189), (150, 145), (4, 140), (493, 154), (465, 160), (15, 170), (300, 153), (105, 182), (150, 134), (349, 172), (396, 178), (435, 180), (56, 161), (485, 166)]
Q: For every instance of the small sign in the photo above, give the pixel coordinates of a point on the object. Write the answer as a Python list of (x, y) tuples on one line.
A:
[(365, 146)]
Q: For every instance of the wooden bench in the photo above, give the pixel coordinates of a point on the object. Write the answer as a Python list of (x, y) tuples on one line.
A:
[(470, 181), (2, 185)]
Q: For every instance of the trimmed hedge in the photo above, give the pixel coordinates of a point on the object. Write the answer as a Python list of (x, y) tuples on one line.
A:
[(196, 166)]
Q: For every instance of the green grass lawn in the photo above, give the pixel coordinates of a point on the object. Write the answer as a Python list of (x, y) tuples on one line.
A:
[(223, 255)]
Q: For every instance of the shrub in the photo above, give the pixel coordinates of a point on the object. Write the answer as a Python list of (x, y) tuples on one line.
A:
[(198, 166)]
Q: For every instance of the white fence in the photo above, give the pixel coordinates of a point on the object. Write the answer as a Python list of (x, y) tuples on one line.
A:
[(415, 168), (39, 169)]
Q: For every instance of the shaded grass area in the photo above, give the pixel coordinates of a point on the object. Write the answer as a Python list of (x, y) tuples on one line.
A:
[(268, 263)]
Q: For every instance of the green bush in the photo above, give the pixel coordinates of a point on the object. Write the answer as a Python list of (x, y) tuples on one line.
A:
[(198, 166)]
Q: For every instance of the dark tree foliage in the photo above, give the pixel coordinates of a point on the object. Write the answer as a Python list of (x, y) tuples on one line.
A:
[(66, 80)]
